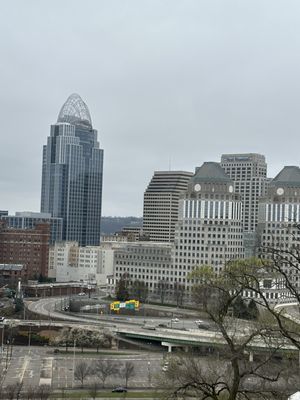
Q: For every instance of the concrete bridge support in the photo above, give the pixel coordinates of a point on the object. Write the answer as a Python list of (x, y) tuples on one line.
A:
[(250, 356), (171, 345)]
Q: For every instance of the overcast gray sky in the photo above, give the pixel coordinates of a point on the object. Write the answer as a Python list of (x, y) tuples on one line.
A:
[(164, 80)]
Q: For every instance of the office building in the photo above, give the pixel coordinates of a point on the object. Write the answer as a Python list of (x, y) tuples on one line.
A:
[(90, 264), (72, 174), (249, 173), (209, 230), (28, 247), (278, 225), (11, 273), (149, 262), (161, 200), (28, 220)]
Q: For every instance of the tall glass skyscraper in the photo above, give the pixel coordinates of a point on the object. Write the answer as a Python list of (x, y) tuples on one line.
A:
[(72, 173)]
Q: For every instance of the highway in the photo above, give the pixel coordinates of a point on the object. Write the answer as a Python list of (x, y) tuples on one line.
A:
[(46, 308), (181, 333)]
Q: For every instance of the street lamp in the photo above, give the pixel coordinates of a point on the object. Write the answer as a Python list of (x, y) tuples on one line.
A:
[(74, 352), (29, 339), (149, 374), (2, 340)]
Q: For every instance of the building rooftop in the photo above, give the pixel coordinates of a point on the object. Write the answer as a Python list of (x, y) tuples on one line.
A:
[(74, 111), (288, 176), (11, 267), (211, 172), (169, 181), (243, 157)]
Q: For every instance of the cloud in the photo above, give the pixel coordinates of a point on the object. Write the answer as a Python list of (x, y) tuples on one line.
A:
[(164, 80)]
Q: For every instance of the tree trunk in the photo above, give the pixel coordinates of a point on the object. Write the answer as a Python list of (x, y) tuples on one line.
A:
[(236, 380)]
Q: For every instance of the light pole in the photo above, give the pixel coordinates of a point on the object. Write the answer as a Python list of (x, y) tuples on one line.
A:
[(2, 341), (74, 353), (149, 374), (29, 339), (7, 348)]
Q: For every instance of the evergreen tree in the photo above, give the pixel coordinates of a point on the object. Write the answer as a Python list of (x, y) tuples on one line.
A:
[(122, 292), (253, 312), (240, 309)]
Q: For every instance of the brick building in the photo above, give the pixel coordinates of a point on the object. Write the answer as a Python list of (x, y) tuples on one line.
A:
[(29, 247), (11, 273)]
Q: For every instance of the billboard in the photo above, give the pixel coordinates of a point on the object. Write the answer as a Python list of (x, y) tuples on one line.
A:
[(128, 305)]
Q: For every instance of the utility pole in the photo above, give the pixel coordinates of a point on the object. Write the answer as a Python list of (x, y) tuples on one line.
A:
[(74, 353)]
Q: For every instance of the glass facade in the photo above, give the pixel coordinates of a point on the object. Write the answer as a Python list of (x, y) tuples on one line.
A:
[(30, 220), (72, 175)]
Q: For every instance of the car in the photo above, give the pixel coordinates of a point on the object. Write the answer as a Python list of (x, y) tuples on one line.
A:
[(204, 326), (2, 319), (149, 327), (175, 320), (119, 389), (81, 294), (199, 321), (165, 368)]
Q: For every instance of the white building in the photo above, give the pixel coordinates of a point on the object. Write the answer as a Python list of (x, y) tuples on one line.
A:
[(161, 201), (249, 174), (149, 262), (63, 261), (69, 262), (209, 230), (91, 264), (278, 226)]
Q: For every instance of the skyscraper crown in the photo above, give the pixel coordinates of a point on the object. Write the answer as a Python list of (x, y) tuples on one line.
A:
[(75, 111)]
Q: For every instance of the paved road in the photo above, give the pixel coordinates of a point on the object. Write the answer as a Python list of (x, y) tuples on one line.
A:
[(46, 307)]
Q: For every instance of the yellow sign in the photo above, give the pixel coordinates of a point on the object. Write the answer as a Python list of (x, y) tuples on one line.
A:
[(128, 305)]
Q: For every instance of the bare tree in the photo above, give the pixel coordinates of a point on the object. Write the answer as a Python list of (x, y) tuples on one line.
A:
[(105, 368), (162, 288), (189, 376), (2, 393), (139, 290), (278, 269), (19, 387), (93, 390), (63, 392), (178, 291), (236, 337), (82, 371), (43, 392), (127, 371), (10, 392), (30, 393)]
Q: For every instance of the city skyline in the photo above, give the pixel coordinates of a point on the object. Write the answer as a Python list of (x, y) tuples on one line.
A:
[(166, 83)]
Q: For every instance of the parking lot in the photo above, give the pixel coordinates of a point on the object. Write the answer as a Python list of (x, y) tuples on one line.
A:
[(40, 365)]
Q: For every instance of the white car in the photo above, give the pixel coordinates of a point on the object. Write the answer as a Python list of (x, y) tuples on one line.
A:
[(81, 294), (175, 320), (199, 321), (165, 368)]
